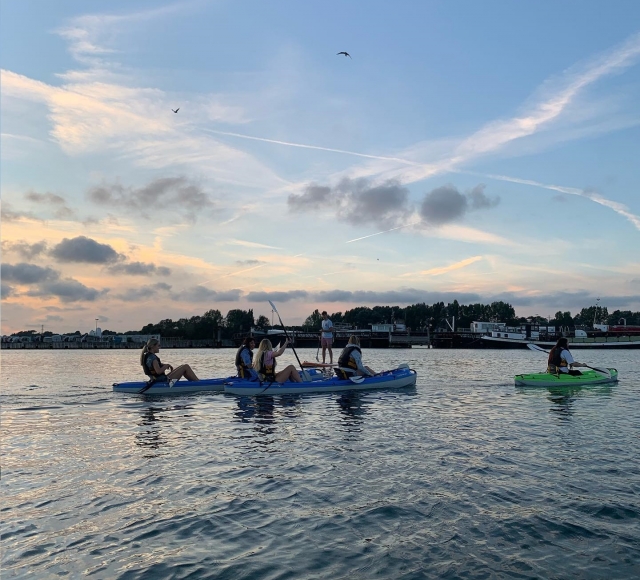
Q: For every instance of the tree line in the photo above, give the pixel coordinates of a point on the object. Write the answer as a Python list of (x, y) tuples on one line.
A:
[(417, 317)]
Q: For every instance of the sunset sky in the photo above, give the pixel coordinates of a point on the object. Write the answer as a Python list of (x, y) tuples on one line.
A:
[(471, 150)]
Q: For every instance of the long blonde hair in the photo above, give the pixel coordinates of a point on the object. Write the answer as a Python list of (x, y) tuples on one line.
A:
[(145, 349), (265, 345), (353, 339)]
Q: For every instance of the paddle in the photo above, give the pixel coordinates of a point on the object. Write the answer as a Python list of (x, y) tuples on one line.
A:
[(171, 382), (540, 349), (305, 374)]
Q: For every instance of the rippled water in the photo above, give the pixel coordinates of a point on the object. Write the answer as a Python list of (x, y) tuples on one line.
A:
[(463, 476)]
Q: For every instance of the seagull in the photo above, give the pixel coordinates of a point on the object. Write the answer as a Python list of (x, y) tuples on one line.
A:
[(176, 110), (345, 53)]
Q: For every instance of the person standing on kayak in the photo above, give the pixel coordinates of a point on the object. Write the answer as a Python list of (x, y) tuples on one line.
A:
[(350, 361), (156, 371), (561, 360), (326, 337), (244, 359)]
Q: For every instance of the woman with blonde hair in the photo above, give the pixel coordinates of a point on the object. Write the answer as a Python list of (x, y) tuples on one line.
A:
[(156, 371), (265, 364), (350, 361)]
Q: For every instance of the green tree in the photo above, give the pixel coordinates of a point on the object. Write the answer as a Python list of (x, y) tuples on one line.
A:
[(263, 322), (313, 321), (239, 321)]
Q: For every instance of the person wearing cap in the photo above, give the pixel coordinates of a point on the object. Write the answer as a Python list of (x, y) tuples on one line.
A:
[(326, 337)]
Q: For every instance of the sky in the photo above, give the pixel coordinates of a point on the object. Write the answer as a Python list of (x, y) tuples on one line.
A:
[(465, 150)]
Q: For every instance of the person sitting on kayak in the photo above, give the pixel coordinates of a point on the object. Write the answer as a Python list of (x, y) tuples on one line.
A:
[(350, 361), (561, 359), (264, 363), (244, 360), (155, 370)]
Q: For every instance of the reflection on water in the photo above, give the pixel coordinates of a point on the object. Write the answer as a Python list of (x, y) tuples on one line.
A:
[(462, 476), (149, 436), (352, 408), (563, 399)]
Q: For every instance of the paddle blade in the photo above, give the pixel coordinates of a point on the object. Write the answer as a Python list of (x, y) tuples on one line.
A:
[(273, 307), (356, 380), (536, 347)]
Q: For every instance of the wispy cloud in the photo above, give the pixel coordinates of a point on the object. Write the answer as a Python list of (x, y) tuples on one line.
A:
[(316, 147), (248, 244), (594, 196), (444, 269)]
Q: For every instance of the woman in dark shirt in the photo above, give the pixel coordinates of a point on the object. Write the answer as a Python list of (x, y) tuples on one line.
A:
[(156, 371)]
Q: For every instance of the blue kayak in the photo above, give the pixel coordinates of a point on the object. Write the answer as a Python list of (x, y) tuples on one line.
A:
[(182, 386), (164, 388), (403, 376)]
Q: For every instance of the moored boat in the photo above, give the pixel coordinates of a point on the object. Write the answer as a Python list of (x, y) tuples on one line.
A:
[(403, 376), (589, 377)]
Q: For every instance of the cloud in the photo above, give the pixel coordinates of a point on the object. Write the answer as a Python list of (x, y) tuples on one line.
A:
[(402, 296), (478, 200), (249, 262), (9, 215), (52, 318), (62, 211), (23, 273), (67, 290), (445, 269), (357, 201), (25, 249), (6, 290), (276, 296), (139, 269), (387, 205), (202, 294), (248, 244), (591, 194), (142, 293), (84, 250), (176, 193), (555, 301), (446, 204), (314, 197)]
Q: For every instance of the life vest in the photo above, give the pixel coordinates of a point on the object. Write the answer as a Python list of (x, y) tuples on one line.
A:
[(555, 361), (346, 360), (244, 371), (149, 371), (267, 372)]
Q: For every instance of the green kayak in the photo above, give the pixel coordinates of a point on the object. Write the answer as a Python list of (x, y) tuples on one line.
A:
[(587, 377)]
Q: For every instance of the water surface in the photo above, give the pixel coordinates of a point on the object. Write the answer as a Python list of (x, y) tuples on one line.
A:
[(463, 476)]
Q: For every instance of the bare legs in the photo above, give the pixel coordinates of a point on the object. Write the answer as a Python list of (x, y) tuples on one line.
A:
[(183, 371), (324, 354), (287, 373)]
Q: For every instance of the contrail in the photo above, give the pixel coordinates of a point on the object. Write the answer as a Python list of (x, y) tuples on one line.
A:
[(385, 231), (619, 208), (303, 146)]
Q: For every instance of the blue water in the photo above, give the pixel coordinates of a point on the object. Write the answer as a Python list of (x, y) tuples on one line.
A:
[(463, 476)]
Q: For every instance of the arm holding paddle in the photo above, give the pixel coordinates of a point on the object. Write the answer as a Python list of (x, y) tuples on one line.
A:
[(364, 370), (539, 349), (281, 348)]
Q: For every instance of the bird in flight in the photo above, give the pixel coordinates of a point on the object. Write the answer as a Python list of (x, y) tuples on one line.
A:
[(345, 53), (176, 110)]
